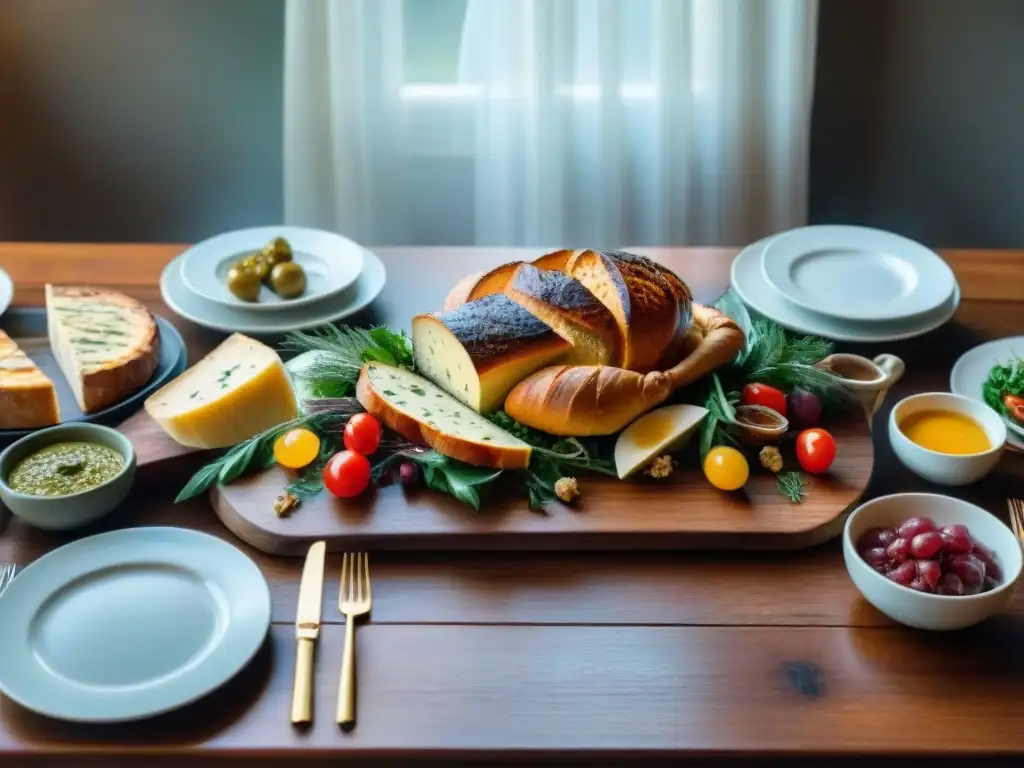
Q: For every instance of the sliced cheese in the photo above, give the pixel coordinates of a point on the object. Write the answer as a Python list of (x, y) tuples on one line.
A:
[(481, 350), (425, 415), (106, 343), (237, 391), (27, 397)]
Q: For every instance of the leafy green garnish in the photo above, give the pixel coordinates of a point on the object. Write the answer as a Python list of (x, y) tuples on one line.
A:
[(464, 481), (342, 352), (254, 454), (792, 486), (1004, 379)]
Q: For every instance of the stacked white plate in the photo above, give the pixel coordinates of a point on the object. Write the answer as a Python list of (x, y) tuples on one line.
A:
[(847, 283), (342, 278)]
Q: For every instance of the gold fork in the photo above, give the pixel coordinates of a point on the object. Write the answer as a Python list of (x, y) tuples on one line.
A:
[(353, 600), (1016, 507)]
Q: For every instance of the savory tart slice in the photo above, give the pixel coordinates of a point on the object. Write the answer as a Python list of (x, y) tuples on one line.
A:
[(106, 343), (573, 312), (27, 397), (481, 350)]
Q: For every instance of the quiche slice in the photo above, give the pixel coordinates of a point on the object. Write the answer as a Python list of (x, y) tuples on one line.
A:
[(27, 397), (107, 344)]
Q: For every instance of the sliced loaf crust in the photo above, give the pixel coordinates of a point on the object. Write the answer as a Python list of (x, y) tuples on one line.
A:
[(425, 415), (106, 343), (641, 300), (27, 397), (573, 312)]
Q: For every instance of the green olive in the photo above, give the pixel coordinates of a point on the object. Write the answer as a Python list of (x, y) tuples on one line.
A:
[(277, 251), (244, 283), (257, 263), (288, 280)]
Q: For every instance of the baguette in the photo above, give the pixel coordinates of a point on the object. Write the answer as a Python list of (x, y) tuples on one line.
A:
[(601, 400)]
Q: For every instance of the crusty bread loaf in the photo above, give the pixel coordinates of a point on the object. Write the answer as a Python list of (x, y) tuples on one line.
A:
[(640, 298), (479, 285), (481, 350), (601, 400), (556, 260), (568, 308), (27, 397), (424, 415), (106, 343)]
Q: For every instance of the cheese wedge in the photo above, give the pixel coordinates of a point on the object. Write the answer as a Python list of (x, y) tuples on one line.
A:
[(106, 343), (425, 415), (481, 350), (237, 391), (27, 397)]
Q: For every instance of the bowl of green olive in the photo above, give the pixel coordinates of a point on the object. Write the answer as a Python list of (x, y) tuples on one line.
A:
[(66, 476), (272, 269)]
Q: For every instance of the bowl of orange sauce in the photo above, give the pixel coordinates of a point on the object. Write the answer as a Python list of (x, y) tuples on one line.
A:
[(945, 438)]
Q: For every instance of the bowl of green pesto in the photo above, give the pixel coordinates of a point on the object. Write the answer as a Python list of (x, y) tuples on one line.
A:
[(67, 476)]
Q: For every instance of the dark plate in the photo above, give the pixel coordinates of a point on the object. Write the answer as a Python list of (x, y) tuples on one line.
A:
[(27, 326)]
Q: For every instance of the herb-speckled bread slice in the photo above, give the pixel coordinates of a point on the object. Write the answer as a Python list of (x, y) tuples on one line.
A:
[(27, 397), (425, 415), (106, 343)]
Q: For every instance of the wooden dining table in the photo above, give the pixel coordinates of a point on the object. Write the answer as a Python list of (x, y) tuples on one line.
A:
[(683, 657)]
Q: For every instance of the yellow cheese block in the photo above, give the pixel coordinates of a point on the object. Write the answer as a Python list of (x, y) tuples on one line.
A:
[(237, 391)]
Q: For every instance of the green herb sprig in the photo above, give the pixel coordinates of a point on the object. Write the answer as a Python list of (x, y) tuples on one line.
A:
[(254, 454), (793, 486), (342, 350)]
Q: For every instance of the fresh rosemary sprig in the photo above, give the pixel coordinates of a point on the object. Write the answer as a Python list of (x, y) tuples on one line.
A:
[(253, 454), (792, 486), (342, 350)]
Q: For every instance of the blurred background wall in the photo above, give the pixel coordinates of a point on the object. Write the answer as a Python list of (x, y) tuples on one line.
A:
[(137, 120)]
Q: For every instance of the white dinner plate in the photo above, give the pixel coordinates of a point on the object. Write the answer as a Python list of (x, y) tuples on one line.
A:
[(331, 262), (208, 314), (756, 292), (972, 369), (6, 291), (130, 624), (857, 273)]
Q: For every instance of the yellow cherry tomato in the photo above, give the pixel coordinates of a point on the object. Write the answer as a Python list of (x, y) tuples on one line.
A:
[(726, 468), (296, 448)]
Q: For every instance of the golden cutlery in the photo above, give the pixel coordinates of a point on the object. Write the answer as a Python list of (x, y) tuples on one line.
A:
[(1016, 507), (307, 629), (353, 600)]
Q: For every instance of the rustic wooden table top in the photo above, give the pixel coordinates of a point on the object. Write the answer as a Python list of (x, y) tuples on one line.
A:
[(700, 656)]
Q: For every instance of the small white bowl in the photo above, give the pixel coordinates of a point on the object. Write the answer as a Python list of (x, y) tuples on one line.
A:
[(920, 609), (947, 468)]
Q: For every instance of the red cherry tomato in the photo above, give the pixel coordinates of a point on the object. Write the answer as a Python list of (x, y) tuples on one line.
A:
[(347, 474), (1014, 407), (763, 395), (815, 450), (362, 434)]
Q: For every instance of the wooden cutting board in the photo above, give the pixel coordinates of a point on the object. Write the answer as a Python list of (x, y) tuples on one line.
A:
[(681, 512)]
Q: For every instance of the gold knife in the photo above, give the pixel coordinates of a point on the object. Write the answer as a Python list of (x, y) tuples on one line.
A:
[(307, 629)]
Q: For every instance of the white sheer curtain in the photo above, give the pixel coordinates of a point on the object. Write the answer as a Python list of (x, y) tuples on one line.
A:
[(571, 122)]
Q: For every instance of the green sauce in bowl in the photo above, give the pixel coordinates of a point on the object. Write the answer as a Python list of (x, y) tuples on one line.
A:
[(62, 469)]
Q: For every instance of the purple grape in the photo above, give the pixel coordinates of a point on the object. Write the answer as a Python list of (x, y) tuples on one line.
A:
[(409, 473), (875, 557), (955, 539), (804, 408), (903, 574), (950, 584), (909, 528)]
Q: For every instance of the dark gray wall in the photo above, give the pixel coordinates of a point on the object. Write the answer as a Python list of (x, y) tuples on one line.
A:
[(161, 119), (138, 120), (919, 119)]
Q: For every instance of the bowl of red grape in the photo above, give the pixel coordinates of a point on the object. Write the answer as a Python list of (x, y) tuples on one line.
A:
[(931, 561)]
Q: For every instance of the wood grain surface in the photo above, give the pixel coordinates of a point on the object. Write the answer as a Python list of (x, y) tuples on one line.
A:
[(700, 657), (679, 512)]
